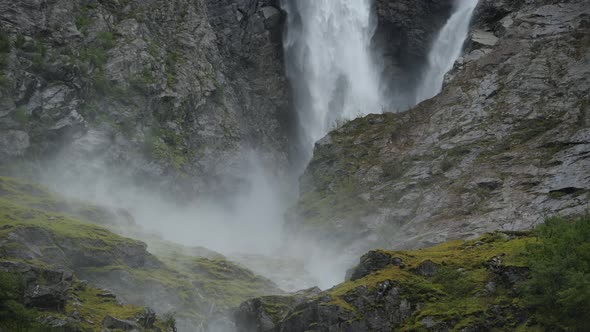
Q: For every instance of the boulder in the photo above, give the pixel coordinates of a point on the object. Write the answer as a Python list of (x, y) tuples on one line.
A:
[(484, 39), (113, 323), (373, 261)]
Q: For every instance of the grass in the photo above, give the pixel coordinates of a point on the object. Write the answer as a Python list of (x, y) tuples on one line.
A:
[(454, 293)]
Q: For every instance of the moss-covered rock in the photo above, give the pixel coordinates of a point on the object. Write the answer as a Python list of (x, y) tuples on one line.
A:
[(470, 286)]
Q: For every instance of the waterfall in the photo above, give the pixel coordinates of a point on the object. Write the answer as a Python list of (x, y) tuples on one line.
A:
[(446, 49), (330, 64)]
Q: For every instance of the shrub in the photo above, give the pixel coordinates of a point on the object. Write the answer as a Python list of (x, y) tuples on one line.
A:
[(558, 290), (13, 314)]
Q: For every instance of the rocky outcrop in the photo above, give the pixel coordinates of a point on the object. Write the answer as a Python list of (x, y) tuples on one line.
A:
[(43, 289), (455, 286), (266, 313), (371, 262), (504, 145), (159, 89)]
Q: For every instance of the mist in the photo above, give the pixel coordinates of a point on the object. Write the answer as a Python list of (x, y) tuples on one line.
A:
[(336, 77)]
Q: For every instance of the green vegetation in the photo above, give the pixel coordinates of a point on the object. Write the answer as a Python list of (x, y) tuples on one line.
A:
[(166, 145), (85, 16), (171, 61), (14, 316), (472, 286), (95, 307), (559, 287)]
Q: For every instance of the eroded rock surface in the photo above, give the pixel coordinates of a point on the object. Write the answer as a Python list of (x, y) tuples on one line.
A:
[(160, 89), (504, 145)]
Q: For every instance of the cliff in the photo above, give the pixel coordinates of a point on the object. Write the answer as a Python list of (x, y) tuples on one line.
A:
[(504, 145), (166, 91)]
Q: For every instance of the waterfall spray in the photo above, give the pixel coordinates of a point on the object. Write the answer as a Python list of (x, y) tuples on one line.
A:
[(330, 64), (446, 49)]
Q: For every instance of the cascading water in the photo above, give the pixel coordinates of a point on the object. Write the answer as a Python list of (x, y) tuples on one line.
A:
[(330, 64), (446, 49)]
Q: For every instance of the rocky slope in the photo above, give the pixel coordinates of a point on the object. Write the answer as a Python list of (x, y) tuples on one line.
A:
[(167, 90), (504, 145), (458, 286), (42, 230), (42, 299)]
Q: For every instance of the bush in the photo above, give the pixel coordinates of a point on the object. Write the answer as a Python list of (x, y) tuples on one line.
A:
[(13, 314), (558, 290)]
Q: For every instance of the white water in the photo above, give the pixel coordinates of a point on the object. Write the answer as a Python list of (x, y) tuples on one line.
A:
[(446, 49), (330, 64)]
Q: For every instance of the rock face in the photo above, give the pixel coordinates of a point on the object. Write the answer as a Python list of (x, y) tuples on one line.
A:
[(266, 313), (405, 32), (504, 145), (162, 89)]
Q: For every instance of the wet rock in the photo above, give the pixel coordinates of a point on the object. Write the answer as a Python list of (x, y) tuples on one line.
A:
[(110, 322), (484, 38), (266, 313), (272, 16), (404, 35)]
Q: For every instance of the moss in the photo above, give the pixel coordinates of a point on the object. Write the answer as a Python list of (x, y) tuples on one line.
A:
[(454, 295), (171, 61), (167, 146), (94, 308)]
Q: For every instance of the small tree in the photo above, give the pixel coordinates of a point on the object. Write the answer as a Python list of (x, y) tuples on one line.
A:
[(559, 287)]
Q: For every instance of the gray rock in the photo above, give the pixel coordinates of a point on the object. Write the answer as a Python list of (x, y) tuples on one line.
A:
[(110, 322), (272, 16), (504, 145), (484, 38), (209, 85)]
